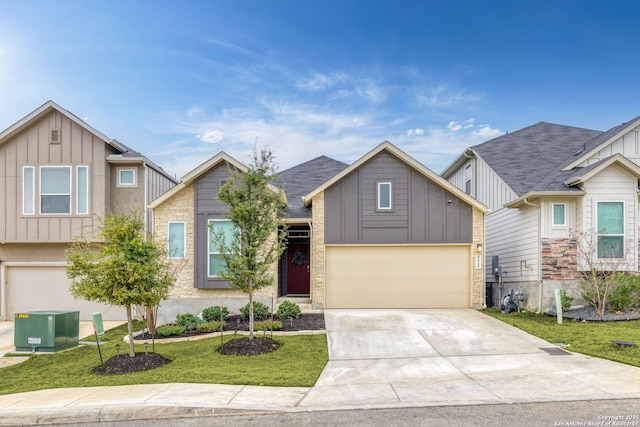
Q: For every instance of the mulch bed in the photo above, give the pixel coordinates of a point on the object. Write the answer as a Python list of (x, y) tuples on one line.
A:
[(123, 364), (306, 322), (588, 314)]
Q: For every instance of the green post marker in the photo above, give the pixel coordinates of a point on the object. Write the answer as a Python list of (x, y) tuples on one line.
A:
[(97, 324)]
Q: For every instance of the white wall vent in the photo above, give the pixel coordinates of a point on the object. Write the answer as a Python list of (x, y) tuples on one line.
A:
[(55, 135)]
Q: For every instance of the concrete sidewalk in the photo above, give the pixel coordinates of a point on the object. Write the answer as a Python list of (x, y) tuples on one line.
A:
[(378, 359)]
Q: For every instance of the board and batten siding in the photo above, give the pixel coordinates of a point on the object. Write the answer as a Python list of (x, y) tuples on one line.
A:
[(486, 186), (614, 184), (32, 147), (628, 145), (207, 206), (423, 211), (512, 234)]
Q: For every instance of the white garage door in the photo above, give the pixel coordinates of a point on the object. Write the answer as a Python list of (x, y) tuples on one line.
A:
[(30, 288), (398, 277)]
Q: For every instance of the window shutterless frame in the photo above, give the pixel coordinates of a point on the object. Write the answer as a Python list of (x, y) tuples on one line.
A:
[(215, 262), (610, 228), (28, 190), (82, 190), (127, 177), (384, 196), (176, 239), (559, 214), (55, 190)]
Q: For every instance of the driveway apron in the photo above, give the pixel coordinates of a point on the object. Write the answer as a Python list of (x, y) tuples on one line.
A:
[(417, 357)]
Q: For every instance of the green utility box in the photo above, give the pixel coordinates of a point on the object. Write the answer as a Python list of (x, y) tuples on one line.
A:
[(46, 331)]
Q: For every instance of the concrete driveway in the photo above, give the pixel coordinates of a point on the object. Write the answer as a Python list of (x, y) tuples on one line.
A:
[(410, 357)]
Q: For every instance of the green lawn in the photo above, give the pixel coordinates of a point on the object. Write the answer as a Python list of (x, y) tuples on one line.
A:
[(590, 338), (298, 362)]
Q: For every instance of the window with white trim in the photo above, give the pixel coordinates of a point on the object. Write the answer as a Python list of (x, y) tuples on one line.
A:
[(216, 264), (385, 196), (55, 189), (610, 229), (82, 190), (176, 239), (467, 179), (559, 215), (28, 190), (126, 177)]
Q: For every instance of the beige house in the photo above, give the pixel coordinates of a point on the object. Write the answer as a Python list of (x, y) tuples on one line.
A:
[(383, 232), (544, 184), (57, 174)]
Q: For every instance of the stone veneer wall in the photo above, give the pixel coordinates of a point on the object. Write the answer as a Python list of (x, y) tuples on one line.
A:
[(317, 253), (477, 280), (559, 259)]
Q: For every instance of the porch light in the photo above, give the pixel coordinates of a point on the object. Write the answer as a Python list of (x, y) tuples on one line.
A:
[(479, 247)]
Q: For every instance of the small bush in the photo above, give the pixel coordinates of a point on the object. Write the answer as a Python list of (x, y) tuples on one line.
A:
[(565, 300), (215, 314), (266, 325), (260, 311), (626, 295), (288, 310), (209, 327), (168, 330), (188, 321)]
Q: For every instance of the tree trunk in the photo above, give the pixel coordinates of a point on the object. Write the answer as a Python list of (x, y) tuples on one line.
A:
[(250, 292), (132, 352)]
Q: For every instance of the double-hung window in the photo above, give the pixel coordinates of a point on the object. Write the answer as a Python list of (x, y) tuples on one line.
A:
[(216, 264), (559, 215), (385, 196), (177, 238), (55, 189), (610, 229)]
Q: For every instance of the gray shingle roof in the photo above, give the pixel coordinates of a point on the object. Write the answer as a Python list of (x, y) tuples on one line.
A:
[(531, 158), (301, 179)]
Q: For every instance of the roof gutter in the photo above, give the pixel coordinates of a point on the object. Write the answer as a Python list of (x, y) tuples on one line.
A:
[(520, 201)]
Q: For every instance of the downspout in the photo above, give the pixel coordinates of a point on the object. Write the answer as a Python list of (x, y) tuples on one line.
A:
[(145, 210), (310, 262), (538, 252)]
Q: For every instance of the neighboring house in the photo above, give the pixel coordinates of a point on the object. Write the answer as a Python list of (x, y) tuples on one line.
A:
[(57, 174), (384, 232), (544, 184)]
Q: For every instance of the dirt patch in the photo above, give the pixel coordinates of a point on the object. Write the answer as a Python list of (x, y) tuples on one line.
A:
[(249, 347)]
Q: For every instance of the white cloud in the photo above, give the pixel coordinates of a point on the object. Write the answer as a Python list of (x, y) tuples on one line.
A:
[(454, 126), (416, 131), (487, 132), (211, 136)]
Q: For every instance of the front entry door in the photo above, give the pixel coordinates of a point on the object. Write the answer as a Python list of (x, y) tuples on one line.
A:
[(298, 268)]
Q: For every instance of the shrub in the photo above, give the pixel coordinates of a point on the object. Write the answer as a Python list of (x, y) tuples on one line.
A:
[(626, 295), (215, 313), (188, 321), (267, 325), (565, 300), (207, 328), (288, 310), (260, 311), (168, 330)]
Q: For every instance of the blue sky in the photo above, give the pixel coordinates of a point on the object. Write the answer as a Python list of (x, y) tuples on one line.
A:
[(181, 81)]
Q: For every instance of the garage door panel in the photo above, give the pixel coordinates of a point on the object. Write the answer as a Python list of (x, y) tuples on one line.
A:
[(30, 288), (397, 277)]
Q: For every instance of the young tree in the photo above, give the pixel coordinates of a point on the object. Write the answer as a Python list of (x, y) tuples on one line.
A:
[(255, 207), (126, 269), (600, 268)]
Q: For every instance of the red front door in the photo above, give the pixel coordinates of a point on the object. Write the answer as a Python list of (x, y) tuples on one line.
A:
[(298, 269)]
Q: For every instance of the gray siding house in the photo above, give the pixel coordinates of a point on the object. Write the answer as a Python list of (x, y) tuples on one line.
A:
[(546, 185), (56, 174), (382, 232)]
